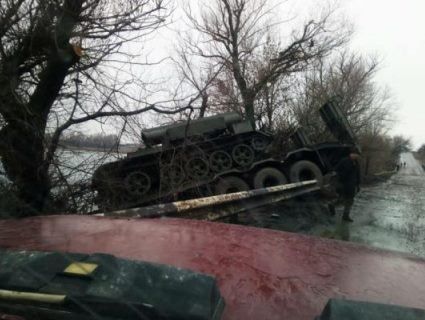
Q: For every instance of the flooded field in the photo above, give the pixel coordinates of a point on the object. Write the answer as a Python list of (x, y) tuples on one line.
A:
[(76, 165)]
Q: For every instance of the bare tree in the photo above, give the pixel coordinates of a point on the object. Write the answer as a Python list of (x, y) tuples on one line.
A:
[(349, 78), (196, 78), (269, 104), (61, 64), (232, 32), (401, 144), (420, 155), (421, 150)]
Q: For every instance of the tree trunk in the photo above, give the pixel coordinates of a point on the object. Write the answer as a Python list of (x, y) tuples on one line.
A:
[(204, 105), (22, 139), (22, 152), (249, 110)]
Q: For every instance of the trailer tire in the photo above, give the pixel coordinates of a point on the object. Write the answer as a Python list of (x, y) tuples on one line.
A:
[(230, 184), (269, 177), (305, 170)]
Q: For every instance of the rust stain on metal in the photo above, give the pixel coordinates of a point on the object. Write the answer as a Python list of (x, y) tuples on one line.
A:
[(219, 206)]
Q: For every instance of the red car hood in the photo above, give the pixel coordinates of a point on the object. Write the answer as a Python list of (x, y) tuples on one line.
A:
[(262, 274)]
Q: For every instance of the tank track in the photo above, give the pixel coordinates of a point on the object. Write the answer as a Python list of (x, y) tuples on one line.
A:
[(165, 174)]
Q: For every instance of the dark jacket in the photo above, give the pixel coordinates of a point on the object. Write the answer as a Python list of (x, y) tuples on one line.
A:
[(348, 172)]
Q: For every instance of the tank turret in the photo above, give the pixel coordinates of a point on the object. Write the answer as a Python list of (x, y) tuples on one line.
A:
[(208, 127)]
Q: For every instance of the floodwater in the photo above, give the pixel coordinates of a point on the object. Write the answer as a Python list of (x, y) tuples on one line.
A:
[(391, 215), (76, 166)]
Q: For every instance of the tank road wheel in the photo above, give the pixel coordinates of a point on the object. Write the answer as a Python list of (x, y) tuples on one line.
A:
[(230, 184), (197, 168), (259, 143), (137, 183), (220, 161), (269, 177), (305, 170), (172, 175), (243, 155)]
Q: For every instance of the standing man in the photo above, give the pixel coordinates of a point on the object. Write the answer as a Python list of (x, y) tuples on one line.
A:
[(348, 183)]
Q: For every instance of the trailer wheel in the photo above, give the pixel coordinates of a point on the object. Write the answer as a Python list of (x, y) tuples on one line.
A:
[(269, 177), (230, 184), (305, 170)]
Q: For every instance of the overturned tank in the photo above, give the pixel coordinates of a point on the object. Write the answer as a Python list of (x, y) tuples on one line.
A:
[(179, 157)]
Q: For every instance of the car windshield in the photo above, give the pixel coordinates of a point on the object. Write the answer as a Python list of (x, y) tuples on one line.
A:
[(271, 153)]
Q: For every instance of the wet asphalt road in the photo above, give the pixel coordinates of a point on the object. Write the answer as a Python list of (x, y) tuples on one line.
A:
[(391, 215), (388, 215)]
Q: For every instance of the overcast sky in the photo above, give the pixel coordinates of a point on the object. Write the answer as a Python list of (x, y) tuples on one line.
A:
[(395, 31)]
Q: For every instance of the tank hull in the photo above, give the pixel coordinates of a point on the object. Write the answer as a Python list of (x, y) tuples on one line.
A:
[(173, 171)]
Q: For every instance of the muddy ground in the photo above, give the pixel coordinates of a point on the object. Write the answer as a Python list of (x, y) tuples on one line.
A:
[(389, 215)]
